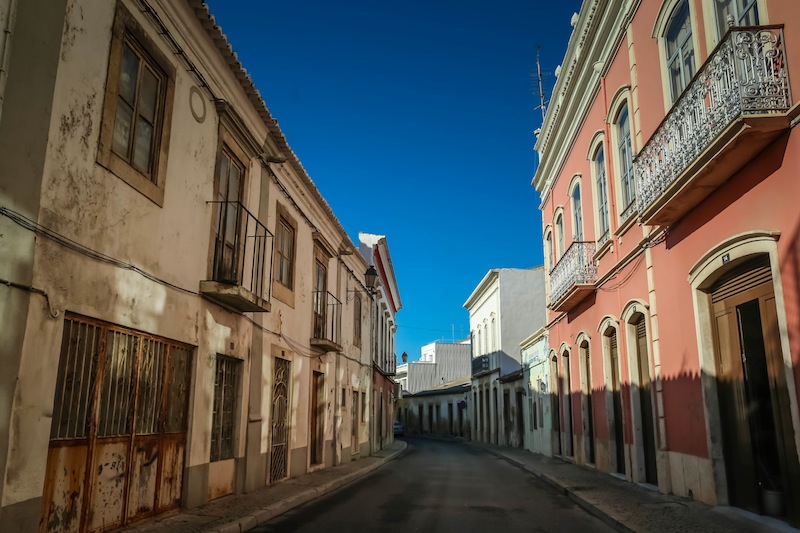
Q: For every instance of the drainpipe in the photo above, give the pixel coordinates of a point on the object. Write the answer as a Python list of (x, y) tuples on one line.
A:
[(10, 20)]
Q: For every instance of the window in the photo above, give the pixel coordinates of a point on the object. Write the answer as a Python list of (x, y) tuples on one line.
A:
[(625, 153), (742, 13), (284, 267), (363, 407), (226, 390), (357, 320), (320, 298), (679, 50), (139, 94), (548, 250), (134, 134), (577, 214), (230, 177), (560, 235), (602, 196)]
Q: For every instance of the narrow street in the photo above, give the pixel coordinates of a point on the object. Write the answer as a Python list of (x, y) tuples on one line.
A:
[(441, 486)]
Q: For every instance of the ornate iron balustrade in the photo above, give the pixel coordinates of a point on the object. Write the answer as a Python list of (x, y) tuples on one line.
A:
[(327, 317), (242, 249), (576, 267), (745, 75)]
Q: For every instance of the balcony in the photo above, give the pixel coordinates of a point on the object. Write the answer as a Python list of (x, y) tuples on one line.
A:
[(573, 277), (327, 322), (242, 266), (736, 104)]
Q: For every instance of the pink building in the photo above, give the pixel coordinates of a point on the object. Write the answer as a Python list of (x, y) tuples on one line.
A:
[(670, 181)]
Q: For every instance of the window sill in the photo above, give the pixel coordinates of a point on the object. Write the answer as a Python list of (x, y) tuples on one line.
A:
[(603, 250), (120, 168), (626, 223)]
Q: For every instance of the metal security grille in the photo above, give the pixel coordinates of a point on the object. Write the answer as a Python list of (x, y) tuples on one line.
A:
[(280, 420), (118, 435), (226, 387)]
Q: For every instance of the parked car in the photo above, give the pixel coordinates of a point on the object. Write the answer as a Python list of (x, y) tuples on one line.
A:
[(399, 430)]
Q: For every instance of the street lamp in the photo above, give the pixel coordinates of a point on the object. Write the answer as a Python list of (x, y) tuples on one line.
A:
[(371, 278)]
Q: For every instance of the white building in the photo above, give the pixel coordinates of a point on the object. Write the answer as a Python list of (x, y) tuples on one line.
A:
[(439, 363), (504, 309), (537, 378)]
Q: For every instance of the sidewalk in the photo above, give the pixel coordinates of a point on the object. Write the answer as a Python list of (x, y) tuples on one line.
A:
[(629, 506), (243, 512)]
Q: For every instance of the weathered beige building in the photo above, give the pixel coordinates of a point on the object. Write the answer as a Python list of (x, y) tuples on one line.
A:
[(183, 315)]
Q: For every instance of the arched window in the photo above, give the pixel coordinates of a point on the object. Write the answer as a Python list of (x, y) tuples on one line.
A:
[(625, 154), (742, 13), (603, 230), (549, 253), (577, 213), (679, 48), (560, 235)]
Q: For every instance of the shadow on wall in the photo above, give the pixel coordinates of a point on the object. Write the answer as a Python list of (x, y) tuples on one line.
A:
[(754, 459)]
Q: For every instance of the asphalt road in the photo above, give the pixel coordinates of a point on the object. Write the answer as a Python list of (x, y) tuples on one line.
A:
[(441, 486)]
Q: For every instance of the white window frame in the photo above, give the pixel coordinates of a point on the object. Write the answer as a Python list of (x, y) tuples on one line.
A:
[(659, 32)]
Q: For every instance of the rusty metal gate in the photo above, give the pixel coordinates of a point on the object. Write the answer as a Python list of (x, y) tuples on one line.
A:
[(280, 421), (118, 435)]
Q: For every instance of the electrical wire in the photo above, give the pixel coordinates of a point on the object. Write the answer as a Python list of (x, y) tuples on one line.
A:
[(42, 231)]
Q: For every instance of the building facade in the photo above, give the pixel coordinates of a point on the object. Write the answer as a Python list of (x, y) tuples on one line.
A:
[(185, 317), (504, 309), (668, 165), (440, 411), (384, 305), (439, 363), (538, 414)]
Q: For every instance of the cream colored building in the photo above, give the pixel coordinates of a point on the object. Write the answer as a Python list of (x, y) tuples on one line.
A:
[(183, 315)]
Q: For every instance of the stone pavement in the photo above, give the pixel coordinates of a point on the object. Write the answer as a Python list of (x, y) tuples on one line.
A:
[(242, 512), (629, 506)]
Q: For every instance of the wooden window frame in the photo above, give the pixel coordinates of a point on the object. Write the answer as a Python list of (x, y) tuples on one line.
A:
[(285, 294), (127, 31)]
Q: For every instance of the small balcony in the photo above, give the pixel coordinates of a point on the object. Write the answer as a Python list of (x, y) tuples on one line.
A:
[(242, 267), (573, 277), (736, 104), (327, 322), (480, 364)]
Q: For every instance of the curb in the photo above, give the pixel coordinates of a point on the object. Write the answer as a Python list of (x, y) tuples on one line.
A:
[(261, 517), (582, 502)]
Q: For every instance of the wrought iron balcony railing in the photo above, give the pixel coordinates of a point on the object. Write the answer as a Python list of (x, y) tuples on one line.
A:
[(242, 259), (576, 268), (745, 76), (327, 325)]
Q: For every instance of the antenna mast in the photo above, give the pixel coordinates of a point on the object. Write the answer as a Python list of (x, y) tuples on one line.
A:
[(539, 78)]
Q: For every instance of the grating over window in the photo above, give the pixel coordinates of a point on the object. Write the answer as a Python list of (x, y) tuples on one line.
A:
[(357, 320), (117, 387), (76, 381), (107, 372), (226, 386)]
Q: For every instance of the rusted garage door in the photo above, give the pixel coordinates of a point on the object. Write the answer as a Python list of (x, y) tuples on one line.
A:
[(118, 436)]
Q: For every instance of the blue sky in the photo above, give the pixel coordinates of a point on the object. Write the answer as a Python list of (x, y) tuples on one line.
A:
[(415, 120)]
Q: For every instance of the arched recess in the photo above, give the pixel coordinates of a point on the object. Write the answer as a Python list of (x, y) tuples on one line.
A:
[(609, 331), (663, 19), (738, 298), (641, 373), (549, 248), (559, 233), (598, 161), (565, 400), (555, 410), (575, 193), (623, 147), (584, 362)]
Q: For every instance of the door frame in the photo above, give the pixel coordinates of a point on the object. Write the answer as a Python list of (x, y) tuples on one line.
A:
[(718, 261)]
